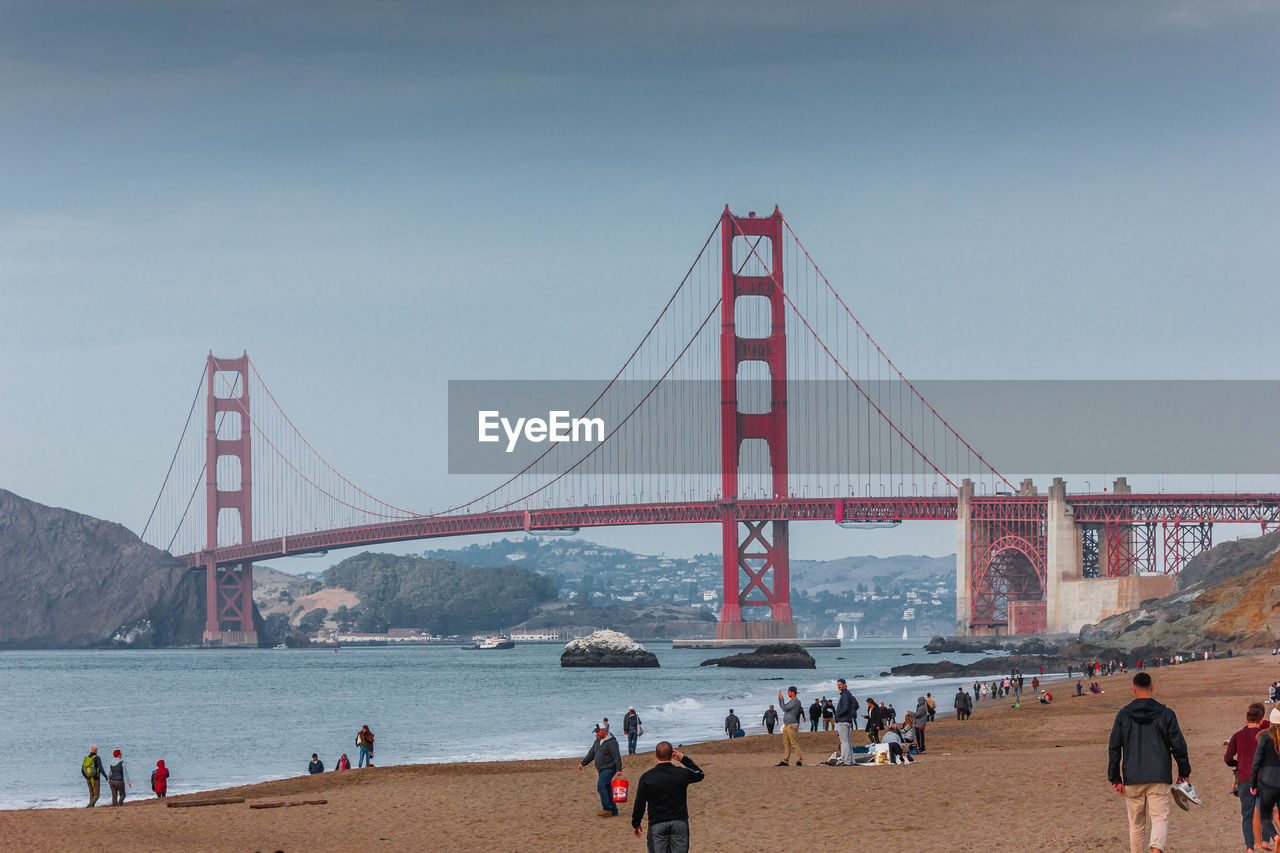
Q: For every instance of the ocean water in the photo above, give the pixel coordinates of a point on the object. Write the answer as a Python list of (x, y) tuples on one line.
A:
[(230, 717)]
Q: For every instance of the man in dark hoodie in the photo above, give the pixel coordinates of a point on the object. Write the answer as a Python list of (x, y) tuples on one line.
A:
[(608, 758), (1143, 737)]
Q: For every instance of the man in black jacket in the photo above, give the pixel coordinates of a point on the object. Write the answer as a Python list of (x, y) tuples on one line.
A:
[(608, 758), (1143, 737), (665, 790)]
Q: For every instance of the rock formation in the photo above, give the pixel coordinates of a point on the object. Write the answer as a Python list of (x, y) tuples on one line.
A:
[(607, 649), (72, 581), (771, 656)]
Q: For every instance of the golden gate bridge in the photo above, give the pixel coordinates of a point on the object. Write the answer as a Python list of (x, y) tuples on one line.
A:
[(811, 421)]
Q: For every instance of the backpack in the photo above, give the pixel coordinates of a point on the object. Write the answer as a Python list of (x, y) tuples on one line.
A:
[(88, 768)]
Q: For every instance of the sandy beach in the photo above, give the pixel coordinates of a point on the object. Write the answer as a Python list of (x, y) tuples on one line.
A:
[(1033, 778)]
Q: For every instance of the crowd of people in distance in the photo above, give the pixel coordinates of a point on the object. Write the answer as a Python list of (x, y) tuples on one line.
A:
[(118, 780)]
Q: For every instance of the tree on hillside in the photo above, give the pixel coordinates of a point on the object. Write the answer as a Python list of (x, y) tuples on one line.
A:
[(313, 620)]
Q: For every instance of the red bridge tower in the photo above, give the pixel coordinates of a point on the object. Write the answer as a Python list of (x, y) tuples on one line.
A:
[(228, 589), (760, 558)]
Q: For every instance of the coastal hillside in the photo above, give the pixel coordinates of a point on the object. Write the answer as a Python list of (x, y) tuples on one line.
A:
[(1228, 596), (72, 581), (439, 596)]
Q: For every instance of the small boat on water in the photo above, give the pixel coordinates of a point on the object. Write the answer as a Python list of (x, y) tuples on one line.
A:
[(492, 642), (904, 632)]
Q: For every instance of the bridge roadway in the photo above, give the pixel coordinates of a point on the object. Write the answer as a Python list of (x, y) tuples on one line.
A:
[(1261, 509)]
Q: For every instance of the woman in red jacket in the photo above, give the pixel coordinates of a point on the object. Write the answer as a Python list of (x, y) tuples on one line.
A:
[(160, 779)]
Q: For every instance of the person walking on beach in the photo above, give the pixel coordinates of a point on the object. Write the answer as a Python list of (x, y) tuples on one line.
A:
[(316, 765), (631, 728), (364, 740), (792, 714), (92, 770), (344, 763), (732, 725), (608, 760), (664, 790), (1143, 737), (815, 715), (962, 704), (1239, 756), (118, 779), (160, 779), (844, 715), (828, 715), (921, 720), (1264, 782), (933, 705), (770, 718)]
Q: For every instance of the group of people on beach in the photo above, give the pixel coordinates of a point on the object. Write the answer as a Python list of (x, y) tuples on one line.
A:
[(364, 742), (117, 777)]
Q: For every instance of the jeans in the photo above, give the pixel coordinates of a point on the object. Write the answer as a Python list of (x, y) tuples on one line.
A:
[(1268, 798), (366, 755), (632, 736), (1148, 801), (846, 748), (813, 724), (604, 787), (670, 836), (1248, 802)]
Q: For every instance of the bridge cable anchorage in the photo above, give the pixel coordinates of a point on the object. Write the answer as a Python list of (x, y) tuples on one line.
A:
[(872, 341), (590, 408), (176, 451)]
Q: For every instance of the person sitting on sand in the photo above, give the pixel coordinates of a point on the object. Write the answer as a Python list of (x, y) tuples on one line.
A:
[(1046, 698)]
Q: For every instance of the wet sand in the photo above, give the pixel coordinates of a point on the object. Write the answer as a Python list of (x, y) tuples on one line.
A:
[(1005, 780)]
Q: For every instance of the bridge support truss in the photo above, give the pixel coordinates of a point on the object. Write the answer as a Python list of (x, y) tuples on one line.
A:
[(755, 552), (228, 588)]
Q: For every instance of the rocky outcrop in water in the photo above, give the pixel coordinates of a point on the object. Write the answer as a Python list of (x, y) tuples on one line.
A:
[(72, 581), (607, 649), (1014, 645), (772, 656)]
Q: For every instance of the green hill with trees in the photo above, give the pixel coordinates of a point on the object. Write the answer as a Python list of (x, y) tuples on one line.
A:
[(439, 596)]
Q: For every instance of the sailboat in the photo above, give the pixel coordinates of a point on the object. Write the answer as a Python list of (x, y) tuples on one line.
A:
[(840, 633), (904, 632), (855, 630)]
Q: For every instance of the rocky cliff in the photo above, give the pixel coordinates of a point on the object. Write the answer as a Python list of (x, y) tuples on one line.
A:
[(73, 581), (1228, 596)]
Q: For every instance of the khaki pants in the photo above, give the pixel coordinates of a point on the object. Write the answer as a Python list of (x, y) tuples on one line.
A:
[(1147, 802), (790, 741)]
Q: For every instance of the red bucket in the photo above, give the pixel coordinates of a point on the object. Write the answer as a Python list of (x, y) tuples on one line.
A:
[(620, 790)]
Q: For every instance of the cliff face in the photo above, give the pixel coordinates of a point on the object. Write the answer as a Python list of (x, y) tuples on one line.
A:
[(1232, 598), (71, 581)]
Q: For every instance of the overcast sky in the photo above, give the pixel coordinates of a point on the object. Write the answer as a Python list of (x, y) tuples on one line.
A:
[(374, 198)]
